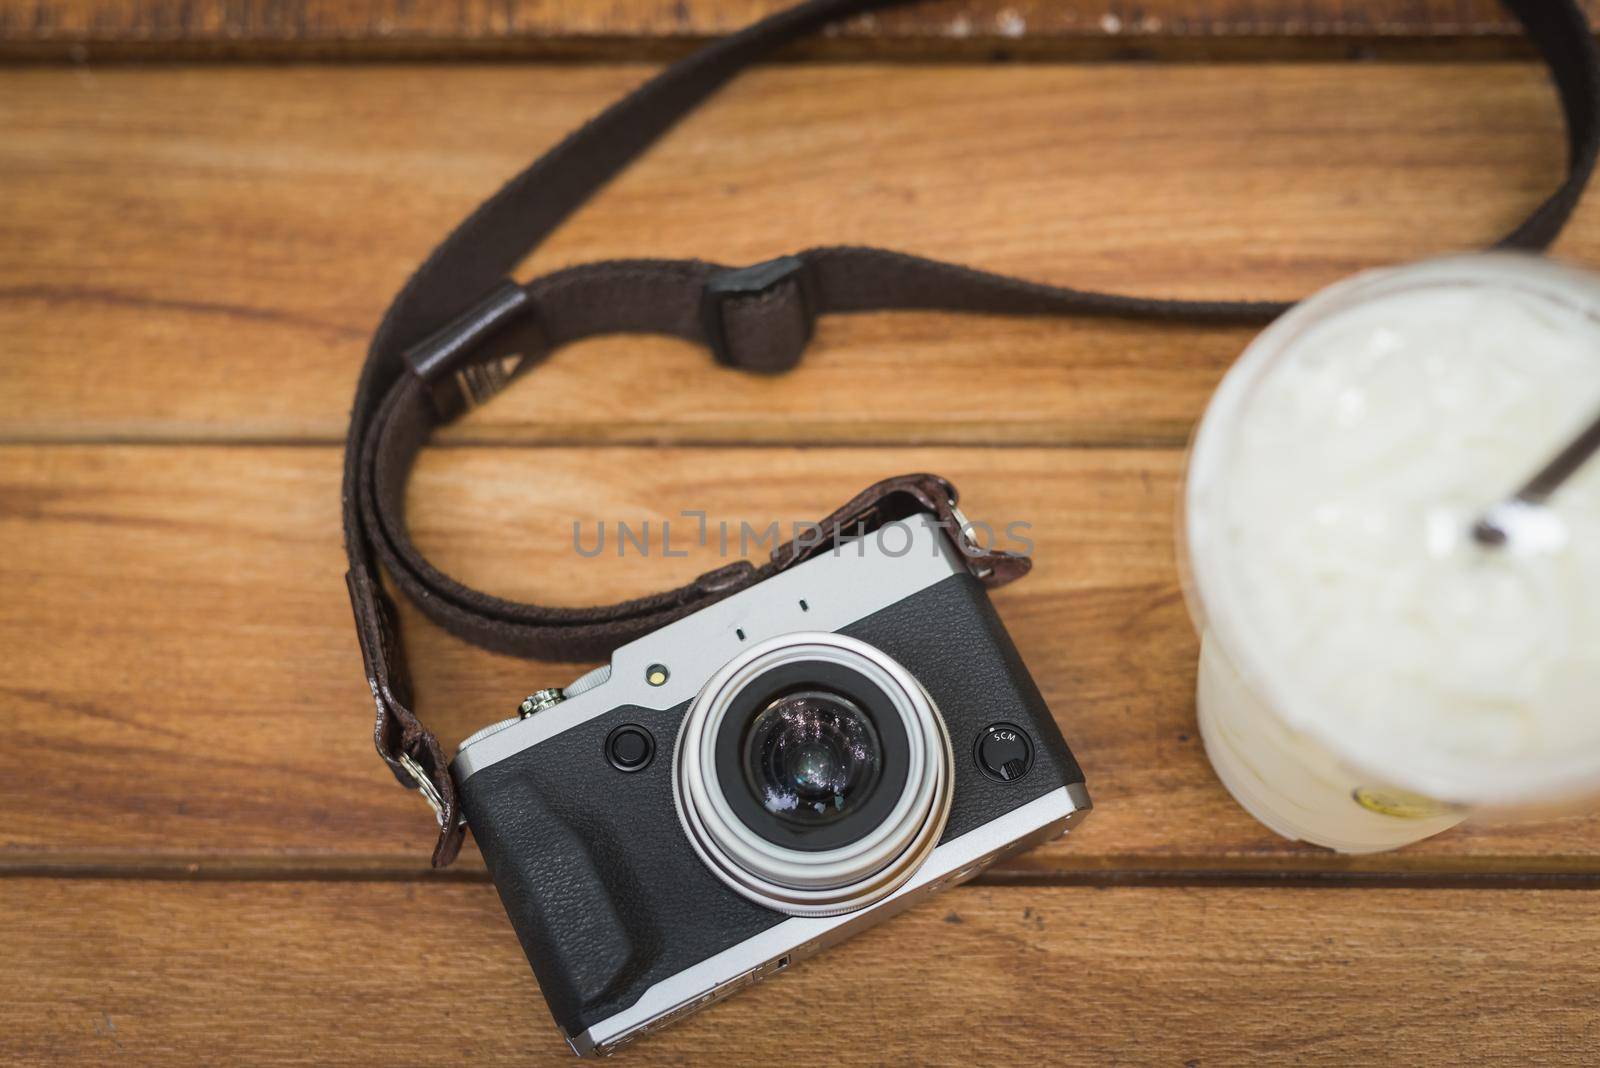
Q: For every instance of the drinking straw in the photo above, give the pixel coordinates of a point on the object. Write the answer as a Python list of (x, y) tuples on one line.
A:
[(1542, 486)]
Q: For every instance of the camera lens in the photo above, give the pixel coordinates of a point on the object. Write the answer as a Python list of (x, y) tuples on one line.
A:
[(812, 757), (813, 774), (811, 754)]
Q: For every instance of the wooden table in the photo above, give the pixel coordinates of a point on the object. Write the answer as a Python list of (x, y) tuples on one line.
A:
[(203, 860)]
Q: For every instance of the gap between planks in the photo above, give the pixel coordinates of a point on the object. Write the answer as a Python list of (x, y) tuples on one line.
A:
[(511, 441), (1333, 48), (1382, 871), (657, 29)]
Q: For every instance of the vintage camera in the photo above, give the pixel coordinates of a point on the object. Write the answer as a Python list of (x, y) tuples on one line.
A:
[(762, 779)]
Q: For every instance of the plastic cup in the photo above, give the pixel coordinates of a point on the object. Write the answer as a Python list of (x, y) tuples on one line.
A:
[(1369, 673)]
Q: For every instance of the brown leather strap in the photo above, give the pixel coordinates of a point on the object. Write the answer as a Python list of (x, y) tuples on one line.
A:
[(458, 332)]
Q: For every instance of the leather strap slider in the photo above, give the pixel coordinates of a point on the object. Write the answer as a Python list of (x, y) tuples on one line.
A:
[(475, 355), (758, 318), (897, 498)]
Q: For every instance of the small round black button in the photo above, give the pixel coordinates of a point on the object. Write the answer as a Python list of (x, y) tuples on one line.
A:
[(630, 747), (1004, 752)]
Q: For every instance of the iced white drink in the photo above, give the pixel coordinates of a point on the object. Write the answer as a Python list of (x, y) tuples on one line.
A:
[(1369, 671)]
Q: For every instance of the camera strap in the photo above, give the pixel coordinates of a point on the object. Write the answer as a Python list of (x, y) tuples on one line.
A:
[(459, 332)]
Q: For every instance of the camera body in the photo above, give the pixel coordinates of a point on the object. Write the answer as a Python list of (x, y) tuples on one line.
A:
[(762, 779)]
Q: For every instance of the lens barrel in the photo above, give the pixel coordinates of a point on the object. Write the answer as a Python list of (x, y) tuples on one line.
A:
[(813, 774)]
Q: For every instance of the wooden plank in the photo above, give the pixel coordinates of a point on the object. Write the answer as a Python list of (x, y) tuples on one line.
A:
[(373, 973), (183, 691), (580, 27), (199, 253)]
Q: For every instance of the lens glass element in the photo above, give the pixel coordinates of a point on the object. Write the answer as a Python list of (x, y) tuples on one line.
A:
[(812, 757)]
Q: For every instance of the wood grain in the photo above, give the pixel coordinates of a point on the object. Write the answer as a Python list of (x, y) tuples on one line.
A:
[(194, 258), (299, 973), (1073, 28), (200, 253), (183, 691)]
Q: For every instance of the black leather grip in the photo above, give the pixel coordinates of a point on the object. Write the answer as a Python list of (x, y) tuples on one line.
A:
[(603, 889)]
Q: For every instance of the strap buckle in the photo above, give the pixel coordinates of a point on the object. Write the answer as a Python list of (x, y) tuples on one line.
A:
[(424, 785), (758, 318), (967, 543)]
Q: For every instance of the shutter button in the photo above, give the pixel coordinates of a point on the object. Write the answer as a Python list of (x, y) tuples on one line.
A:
[(1004, 752), (630, 747)]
